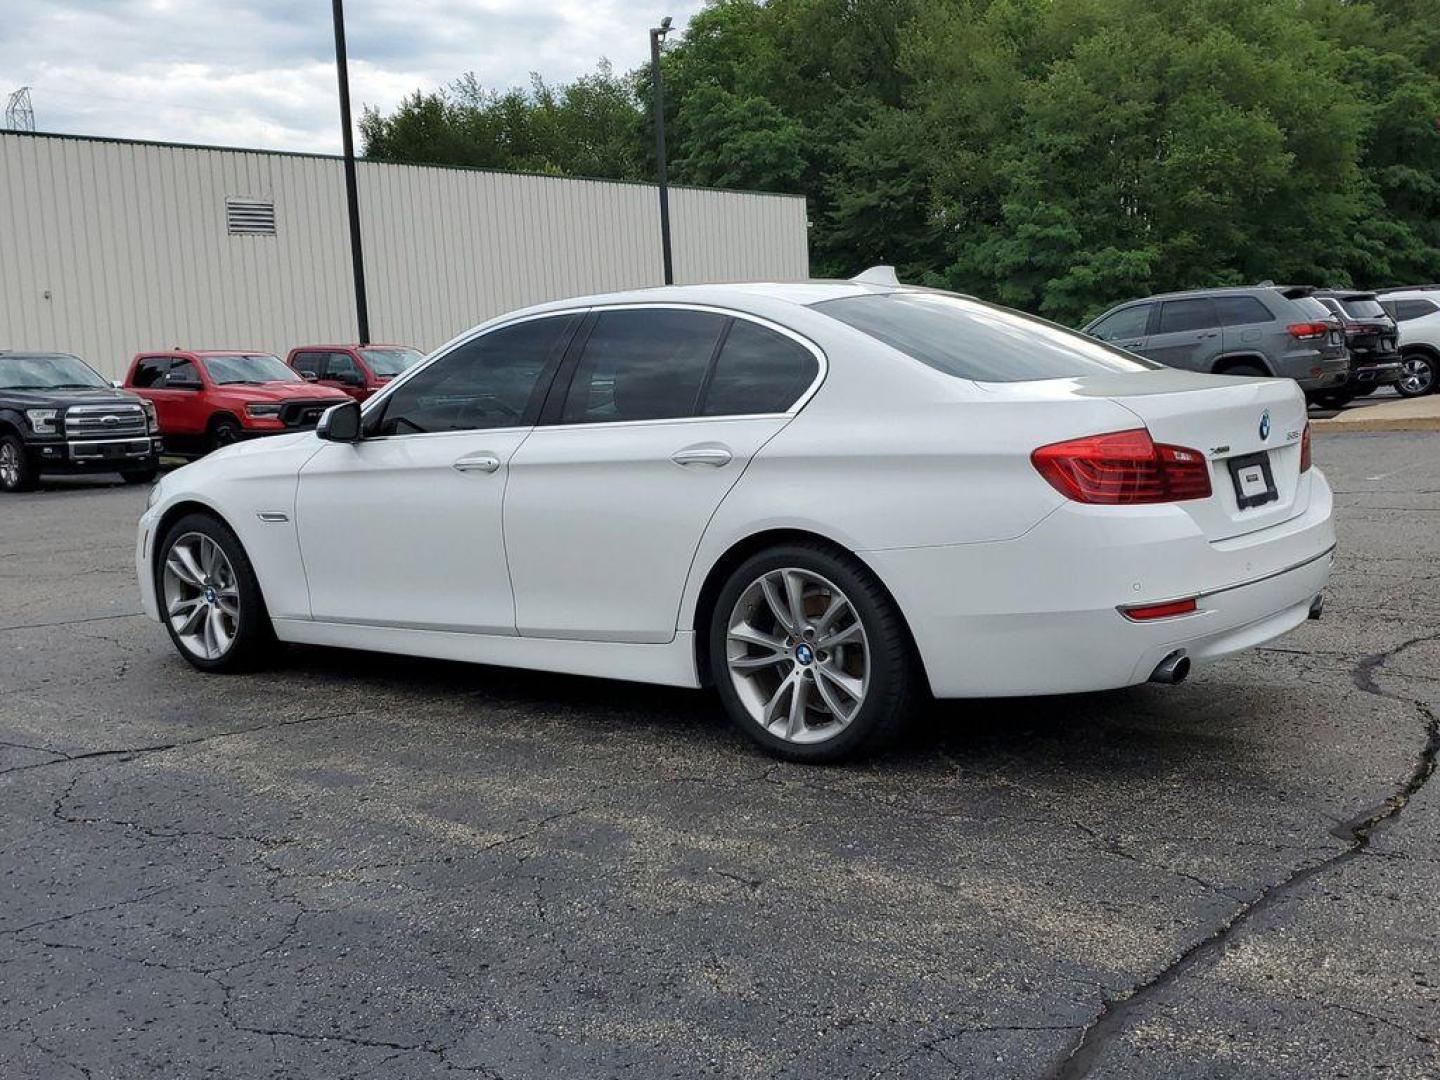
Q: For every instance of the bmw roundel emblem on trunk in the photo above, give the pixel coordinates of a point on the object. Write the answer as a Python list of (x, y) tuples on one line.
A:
[(1265, 425)]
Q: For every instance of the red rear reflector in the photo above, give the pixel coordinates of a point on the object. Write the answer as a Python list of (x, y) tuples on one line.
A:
[(1305, 448), (1307, 330), (1159, 611), (1123, 467)]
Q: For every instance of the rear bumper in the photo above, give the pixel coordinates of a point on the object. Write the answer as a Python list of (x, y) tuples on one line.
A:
[(1039, 614), (1377, 372)]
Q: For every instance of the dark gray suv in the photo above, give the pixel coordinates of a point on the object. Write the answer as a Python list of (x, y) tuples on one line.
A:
[(1252, 330)]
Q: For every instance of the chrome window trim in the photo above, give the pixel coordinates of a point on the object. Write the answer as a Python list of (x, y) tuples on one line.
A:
[(822, 368)]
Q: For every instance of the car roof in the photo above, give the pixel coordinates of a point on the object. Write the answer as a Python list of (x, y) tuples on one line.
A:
[(754, 296), (352, 345), (205, 352)]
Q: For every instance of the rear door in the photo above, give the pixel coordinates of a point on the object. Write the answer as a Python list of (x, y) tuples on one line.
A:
[(1187, 334), (658, 415), (1245, 322)]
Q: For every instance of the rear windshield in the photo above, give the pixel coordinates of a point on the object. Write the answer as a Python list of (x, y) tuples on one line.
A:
[(974, 340), (1368, 308), (391, 362), (1311, 307)]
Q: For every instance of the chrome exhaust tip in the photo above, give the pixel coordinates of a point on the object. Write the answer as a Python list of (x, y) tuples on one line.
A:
[(1172, 670), (1317, 607)]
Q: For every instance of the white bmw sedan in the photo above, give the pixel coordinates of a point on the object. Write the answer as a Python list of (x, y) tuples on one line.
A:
[(825, 499)]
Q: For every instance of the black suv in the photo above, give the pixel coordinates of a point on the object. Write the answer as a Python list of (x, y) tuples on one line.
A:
[(1371, 336), (58, 415)]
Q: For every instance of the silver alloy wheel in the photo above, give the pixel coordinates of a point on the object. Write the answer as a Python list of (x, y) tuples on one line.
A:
[(202, 595), (1418, 374), (797, 654), (9, 465)]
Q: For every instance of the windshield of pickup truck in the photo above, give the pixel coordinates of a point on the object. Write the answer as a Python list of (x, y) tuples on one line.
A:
[(55, 371), (248, 368), (391, 362)]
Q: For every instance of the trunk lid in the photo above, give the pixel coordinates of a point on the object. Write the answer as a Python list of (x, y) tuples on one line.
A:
[(1248, 422)]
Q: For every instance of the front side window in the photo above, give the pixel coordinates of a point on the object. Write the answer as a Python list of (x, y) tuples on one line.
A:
[(389, 362), (496, 380), (55, 371), (183, 373), (1124, 325), (309, 363), (642, 364), (342, 368), (1179, 316), (230, 369), (757, 371), (1241, 311), (974, 340)]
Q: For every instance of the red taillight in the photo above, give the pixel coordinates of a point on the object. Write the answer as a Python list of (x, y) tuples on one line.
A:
[(1123, 467), (1305, 448), (1305, 331), (1166, 610)]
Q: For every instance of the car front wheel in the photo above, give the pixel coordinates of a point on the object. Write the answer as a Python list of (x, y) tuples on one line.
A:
[(16, 471), (811, 656), (209, 596)]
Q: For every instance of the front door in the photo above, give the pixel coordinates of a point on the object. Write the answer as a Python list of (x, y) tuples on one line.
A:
[(403, 528), (606, 504)]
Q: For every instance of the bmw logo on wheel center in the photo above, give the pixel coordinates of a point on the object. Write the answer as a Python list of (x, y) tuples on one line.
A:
[(1265, 425), (803, 653)]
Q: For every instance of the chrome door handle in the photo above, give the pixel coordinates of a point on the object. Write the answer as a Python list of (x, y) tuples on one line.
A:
[(702, 455), (486, 463)]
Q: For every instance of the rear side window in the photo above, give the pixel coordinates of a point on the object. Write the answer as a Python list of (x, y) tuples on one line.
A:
[(309, 363), (496, 380), (642, 364), (1123, 325), (1241, 311), (151, 370), (758, 371), (1197, 313), (1405, 310), (974, 340)]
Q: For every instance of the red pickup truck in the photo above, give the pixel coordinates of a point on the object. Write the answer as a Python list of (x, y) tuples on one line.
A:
[(204, 400), (358, 370)]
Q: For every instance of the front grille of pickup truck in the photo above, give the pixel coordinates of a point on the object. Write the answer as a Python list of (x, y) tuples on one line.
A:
[(90, 422), (304, 414)]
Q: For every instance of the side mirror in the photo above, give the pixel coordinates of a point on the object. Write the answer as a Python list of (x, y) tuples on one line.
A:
[(309, 376), (340, 423), (117, 384)]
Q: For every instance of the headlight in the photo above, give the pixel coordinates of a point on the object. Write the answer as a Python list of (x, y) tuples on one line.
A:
[(152, 422), (42, 420), (262, 410)]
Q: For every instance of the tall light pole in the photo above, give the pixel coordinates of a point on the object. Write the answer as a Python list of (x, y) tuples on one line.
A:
[(656, 35), (352, 199)]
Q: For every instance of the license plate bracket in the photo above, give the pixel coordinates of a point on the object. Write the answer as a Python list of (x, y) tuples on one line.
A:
[(1253, 479)]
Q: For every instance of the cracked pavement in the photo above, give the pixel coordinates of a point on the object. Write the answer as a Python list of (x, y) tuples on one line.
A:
[(354, 865)]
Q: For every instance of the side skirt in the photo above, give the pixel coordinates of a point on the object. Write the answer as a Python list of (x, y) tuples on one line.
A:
[(671, 664)]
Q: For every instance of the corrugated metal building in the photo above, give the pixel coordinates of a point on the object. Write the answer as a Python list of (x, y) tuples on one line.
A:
[(110, 247)]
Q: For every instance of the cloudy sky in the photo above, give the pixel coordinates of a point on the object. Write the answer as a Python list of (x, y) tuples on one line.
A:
[(261, 72)]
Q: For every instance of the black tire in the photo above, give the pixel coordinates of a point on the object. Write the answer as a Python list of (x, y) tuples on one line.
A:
[(18, 472), (1249, 371), (1365, 389), (894, 680), (1418, 378), (140, 476), (224, 431), (254, 640), (1334, 399)]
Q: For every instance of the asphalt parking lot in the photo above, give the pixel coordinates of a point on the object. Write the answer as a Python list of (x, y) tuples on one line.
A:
[(361, 866)]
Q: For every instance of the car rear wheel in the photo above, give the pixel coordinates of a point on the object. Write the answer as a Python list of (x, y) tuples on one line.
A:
[(810, 655), (209, 596), (17, 473), (1417, 375)]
